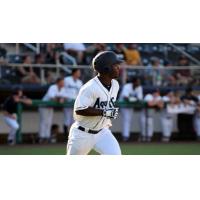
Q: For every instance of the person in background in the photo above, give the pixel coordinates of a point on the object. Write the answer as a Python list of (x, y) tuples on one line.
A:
[(186, 120), (183, 76), (10, 112), (153, 101), (56, 92), (155, 72), (76, 50), (131, 92), (93, 50), (72, 86), (119, 49), (167, 119), (132, 55), (27, 74)]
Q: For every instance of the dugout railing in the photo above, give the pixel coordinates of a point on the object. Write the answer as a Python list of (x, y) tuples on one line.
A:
[(40, 103)]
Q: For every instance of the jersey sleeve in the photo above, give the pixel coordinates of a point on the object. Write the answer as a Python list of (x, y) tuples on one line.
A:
[(51, 93), (84, 99)]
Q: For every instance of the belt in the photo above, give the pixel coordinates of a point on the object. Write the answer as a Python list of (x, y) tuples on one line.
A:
[(88, 130)]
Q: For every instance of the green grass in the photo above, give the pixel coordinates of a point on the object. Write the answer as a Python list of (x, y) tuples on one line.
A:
[(128, 149)]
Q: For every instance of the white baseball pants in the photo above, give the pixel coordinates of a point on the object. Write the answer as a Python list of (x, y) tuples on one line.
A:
[(147, 126), (81, 143), (167, 126), (14, 126), (126, 117), (46, 118)]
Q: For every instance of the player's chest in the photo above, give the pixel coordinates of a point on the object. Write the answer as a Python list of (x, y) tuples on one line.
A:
[(105, 100)]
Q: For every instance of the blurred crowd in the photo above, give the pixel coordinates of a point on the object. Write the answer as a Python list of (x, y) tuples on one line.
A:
[(73, 54), (175, 109)]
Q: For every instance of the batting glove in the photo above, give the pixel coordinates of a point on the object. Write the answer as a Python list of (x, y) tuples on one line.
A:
[(111, 113)]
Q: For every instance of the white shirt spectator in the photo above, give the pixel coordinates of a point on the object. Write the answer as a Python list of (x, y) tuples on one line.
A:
[(128, 91), (54, 92), (150, 97), (72, 87), (74, 46)]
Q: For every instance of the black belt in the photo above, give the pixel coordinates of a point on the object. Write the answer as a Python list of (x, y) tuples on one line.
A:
[(89, 130)]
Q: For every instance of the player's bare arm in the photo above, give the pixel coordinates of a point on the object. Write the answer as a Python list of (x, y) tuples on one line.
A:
[(90, 112)]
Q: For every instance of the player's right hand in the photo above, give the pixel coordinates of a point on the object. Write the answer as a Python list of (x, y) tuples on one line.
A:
[(111, 113)]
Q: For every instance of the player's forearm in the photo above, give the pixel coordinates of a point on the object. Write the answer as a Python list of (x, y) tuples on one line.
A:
[(90, 112)]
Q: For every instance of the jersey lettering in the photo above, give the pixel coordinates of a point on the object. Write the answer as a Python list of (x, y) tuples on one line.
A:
[(103, 104)]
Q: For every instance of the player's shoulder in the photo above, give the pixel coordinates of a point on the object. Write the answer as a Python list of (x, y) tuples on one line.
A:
[(90, 85), (115, 83)]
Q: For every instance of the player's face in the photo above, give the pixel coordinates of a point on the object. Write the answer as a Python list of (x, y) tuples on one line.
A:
[(61, 84), (115, 71)]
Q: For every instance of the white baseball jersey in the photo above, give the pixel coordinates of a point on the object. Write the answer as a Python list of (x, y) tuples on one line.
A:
[(148, 98), (72, 87), (129, 91), (54, 92), (94, 94)]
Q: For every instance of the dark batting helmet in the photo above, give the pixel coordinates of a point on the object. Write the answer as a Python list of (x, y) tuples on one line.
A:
[(104, 61)]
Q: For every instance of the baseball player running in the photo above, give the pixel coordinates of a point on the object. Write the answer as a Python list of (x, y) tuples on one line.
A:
[(56, 92), (94, 108), (131, 92), (72, 87)]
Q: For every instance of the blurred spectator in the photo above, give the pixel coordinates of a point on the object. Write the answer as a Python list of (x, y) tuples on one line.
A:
[(52, 54), (153, 102), (3, 53), (72, 85), (154, 73), (167, 119), (27, 73), (76, 50), (119, 49), (183, 76), (132, 55), (93, 50), (10, 112), (131, 92), (56, 93), (185, 120)]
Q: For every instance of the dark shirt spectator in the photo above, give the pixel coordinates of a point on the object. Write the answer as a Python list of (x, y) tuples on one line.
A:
[(27, 74)]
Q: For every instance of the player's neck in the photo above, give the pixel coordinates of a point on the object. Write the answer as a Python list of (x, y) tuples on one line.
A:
[(105, 80)]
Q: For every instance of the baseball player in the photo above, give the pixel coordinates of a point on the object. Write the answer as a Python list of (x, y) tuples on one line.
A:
[(94, 108), (167, 119), (131, 92), (153, 101), (56, 92), (72, 87), (10, 111)]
